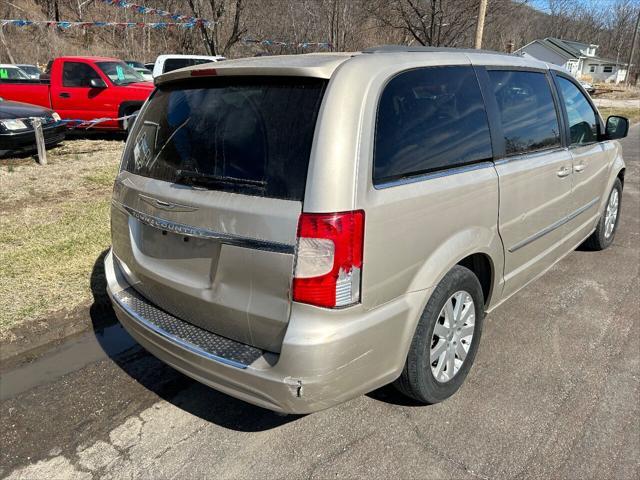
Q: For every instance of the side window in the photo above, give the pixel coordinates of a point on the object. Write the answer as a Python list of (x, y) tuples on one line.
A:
[(528, 114), (76, 74), (583, 122), (171, 64), (430, 119)]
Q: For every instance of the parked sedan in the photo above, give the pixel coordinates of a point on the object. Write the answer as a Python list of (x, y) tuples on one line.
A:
[(31, 70), (11, 72), (16, 128)]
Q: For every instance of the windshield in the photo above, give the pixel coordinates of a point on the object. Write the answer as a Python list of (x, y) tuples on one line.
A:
[(12, 73), (249, 135), (31, 70), (120, 73)]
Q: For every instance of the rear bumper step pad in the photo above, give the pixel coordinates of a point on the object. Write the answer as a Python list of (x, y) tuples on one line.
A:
[(184, 334)]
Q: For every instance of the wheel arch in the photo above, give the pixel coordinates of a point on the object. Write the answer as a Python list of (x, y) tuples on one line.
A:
[(127, 108), (478, 249), (483, 268)]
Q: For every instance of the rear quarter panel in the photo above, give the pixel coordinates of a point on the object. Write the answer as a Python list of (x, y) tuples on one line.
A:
[(414, 232)]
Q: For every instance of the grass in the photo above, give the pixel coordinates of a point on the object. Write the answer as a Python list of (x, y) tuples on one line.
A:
[(103, 176), (54, 224), (633, 114)]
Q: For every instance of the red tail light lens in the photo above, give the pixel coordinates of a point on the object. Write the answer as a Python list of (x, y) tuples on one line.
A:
[(329, 259)]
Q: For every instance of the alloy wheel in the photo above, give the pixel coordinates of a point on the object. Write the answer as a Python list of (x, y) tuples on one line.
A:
[(611, 214), (452, 336)]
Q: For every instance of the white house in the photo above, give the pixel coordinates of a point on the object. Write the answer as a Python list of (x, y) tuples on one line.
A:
[(579, 58)]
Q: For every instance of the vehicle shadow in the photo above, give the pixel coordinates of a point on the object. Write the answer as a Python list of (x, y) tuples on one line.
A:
[(166, 382), (389, 394)]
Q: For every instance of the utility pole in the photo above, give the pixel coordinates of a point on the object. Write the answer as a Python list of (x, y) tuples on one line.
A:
[(633, 50), (482, 11)]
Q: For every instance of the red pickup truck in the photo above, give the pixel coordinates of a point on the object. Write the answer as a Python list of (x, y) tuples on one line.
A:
[(84, 88)]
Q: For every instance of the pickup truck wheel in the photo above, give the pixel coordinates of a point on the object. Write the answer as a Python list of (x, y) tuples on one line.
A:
[(446, 339), (608, 224)]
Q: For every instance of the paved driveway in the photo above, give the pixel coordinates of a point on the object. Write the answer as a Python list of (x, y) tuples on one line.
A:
[(554, 393)]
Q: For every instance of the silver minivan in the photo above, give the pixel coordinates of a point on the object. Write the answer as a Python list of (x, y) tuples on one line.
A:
[(296, 231)]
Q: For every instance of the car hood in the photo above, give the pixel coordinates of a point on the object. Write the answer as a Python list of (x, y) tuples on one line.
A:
[(10, 109), (146, 86)]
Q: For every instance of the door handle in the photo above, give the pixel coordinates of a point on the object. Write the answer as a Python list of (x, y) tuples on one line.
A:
[(579, 168), (563, 172), (64, 95)]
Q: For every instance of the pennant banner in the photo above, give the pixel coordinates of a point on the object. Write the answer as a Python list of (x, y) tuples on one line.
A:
[(278, 43), (66, 25), (156, 11), (155, 25)]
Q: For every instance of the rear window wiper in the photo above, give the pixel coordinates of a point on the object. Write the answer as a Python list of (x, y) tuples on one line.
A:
[(189, 177)]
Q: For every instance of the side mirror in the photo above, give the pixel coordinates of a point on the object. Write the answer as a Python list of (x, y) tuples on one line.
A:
[(617, 127), (97, 83)]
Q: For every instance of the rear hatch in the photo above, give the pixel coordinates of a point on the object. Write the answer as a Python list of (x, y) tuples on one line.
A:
[(206, 205)]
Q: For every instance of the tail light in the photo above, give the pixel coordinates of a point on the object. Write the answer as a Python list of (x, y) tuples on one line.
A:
[(329, 259)]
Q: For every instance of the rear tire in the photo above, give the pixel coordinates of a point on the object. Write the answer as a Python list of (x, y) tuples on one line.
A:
[(608, 224), (430, 373)]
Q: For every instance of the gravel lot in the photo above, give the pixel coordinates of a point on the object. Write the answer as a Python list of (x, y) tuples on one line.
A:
[(555, 393)]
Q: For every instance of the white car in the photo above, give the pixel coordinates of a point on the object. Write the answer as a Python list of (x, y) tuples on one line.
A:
[(168, 63), (12, 72), (146, 73), (31, 70)]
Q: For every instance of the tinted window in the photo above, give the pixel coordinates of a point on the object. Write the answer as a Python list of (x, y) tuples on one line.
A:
[(76, 74), (430, 119), (583, 123), (527, 111), (171, 64), (247, 135)]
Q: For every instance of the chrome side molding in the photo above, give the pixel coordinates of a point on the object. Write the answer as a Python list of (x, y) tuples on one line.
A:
[(553, 226)]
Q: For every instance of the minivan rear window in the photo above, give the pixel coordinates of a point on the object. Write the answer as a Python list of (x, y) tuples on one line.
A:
[(248, 135)]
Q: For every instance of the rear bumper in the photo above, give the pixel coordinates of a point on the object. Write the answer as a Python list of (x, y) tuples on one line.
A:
[(327, 356)]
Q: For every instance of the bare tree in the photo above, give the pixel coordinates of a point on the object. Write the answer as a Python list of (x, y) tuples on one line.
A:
[(217, 35)]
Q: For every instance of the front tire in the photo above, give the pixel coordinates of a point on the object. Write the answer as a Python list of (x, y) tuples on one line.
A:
[(446, 339), (608, 224)]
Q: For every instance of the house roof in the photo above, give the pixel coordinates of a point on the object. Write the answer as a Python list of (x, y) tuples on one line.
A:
[(570, 50)]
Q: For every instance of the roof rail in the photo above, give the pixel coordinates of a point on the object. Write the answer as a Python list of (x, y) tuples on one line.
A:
[(423, 49)]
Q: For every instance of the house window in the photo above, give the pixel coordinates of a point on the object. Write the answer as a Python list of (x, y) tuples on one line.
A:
[(607, 69), (592, 68)]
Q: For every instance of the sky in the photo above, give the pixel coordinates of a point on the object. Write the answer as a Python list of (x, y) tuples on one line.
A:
[(544, 4)]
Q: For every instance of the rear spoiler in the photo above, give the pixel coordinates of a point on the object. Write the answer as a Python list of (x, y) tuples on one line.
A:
[(315, 65)]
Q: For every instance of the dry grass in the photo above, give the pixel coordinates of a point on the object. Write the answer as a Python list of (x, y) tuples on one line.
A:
[(633, 114), (54, 223), (619, 92)]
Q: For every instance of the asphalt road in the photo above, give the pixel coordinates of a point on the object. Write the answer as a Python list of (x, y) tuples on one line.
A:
[(554, 393)]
